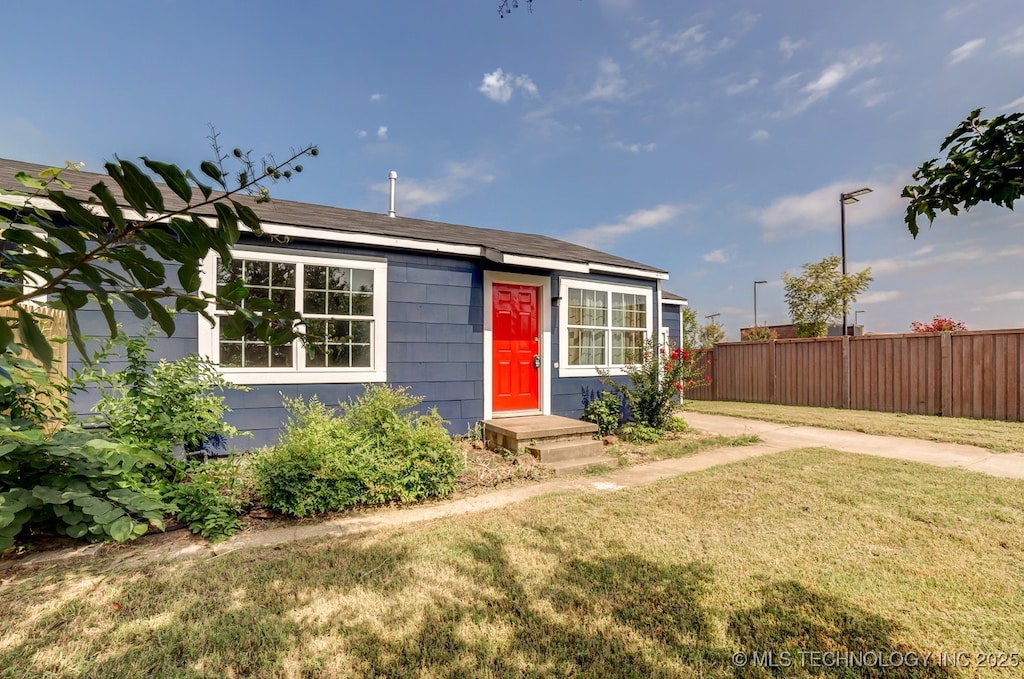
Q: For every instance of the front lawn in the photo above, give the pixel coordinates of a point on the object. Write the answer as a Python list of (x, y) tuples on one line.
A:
[(996, 435), (808, 550)]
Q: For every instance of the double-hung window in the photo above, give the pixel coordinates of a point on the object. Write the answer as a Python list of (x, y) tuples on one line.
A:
[(343, 304), (603, 326)]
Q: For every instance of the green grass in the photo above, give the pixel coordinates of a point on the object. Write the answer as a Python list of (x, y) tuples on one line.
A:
[(995, 435), (807, 550)]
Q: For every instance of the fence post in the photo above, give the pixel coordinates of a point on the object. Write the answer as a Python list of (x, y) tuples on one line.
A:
[(946, 377), (771, 372), (846, 372)]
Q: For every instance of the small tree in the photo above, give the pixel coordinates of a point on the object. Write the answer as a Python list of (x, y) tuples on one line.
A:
[(710, 335), (822, 295), (690, 329), (759, 333), (984, 164), (938, 324)]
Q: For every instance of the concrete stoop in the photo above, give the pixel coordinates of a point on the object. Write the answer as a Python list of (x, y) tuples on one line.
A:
[(564, 444)]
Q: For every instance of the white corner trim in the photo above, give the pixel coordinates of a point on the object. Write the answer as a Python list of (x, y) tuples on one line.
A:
[(544, 304)]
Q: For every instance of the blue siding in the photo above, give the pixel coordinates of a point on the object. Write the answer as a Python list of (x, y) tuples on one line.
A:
[(670, 314)]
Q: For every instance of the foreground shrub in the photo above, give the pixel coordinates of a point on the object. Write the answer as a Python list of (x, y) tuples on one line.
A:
[(57, 476), (375, 451), (604, 411), (658, 380), (208, 497), (163, 403), (635, 432)]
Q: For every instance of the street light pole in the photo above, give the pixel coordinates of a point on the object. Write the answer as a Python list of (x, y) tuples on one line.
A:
[(844, 200), (756, 283)]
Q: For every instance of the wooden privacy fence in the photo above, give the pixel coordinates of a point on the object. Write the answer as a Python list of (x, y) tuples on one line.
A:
[(966, 374), (54, 326)]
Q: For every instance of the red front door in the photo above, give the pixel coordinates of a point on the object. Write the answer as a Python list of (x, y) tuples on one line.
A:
[(516, 346)]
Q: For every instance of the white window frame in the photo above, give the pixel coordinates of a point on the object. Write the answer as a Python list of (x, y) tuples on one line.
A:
[(566, 370), (209, 336)]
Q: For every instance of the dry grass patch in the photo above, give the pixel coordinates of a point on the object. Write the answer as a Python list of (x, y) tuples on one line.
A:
[(804, 550), (996, 435)]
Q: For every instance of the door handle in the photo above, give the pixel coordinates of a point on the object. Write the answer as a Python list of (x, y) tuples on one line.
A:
[(536, 360)]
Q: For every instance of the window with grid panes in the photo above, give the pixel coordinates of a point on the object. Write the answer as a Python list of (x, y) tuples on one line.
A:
[(604, 326), (341, 313)]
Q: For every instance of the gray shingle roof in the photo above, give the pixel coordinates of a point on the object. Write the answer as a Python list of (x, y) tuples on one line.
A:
[(293, 213)]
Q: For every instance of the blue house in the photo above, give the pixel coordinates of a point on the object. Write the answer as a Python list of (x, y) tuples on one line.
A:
[(483, 323)]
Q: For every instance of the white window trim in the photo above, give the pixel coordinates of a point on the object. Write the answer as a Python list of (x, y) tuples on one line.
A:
[(209, 345), (566, 370), (544, 304)]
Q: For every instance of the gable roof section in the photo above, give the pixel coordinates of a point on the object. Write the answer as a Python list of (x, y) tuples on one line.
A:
[(333, 223)]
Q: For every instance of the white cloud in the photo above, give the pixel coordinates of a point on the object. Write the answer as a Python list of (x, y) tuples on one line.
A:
[(1016, 104), (641, 220), (788, 47), (760, 135), (737, 88), (788, 81), (457, 178), (835, 74), (965, 51), (360, 133), (376, 96), (879, 296), (924, 258), (499, 86), (869, 93), (691, 44), (1012, 296), (1013, 43), (718, 256), (633, 148), (819, 210), (382, 132), (609, 85), (954, 13)]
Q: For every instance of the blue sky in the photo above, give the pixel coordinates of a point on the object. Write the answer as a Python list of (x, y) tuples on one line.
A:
[(711, 139)]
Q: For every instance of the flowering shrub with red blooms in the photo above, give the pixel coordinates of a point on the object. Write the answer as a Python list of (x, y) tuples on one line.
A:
[(938, 324), (663, 374)]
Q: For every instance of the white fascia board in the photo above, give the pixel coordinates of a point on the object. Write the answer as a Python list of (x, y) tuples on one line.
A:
[(545, 263), (373, 240), (628, 271), (675, 302)]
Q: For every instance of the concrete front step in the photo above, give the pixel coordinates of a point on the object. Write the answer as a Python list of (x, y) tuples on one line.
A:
[(516, 433), (559, 451), (581, 465)]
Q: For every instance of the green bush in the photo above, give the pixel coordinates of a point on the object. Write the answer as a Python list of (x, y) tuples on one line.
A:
[(604, 411), (60, 476), (636, 432), (658, 379), (208, 497), (374, 452), (163, 403)]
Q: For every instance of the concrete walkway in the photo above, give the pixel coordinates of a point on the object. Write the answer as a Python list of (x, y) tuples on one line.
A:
[(775, 438), (784, 437)]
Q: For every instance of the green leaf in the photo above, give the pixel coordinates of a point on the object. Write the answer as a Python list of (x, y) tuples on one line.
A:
[(49, 495), (76, 530), (228, 221), (248, 217), (121, 529), (160, 315), (141, 182), (204, 188), (134, 304), (235, 325), (173, 176), (110, 206), (188, 276), (25, 179), (33, 339), (213, 172), (77, 213), (6, 334)]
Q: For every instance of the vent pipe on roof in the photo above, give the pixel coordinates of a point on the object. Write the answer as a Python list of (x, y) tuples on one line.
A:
[(393, 176)]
